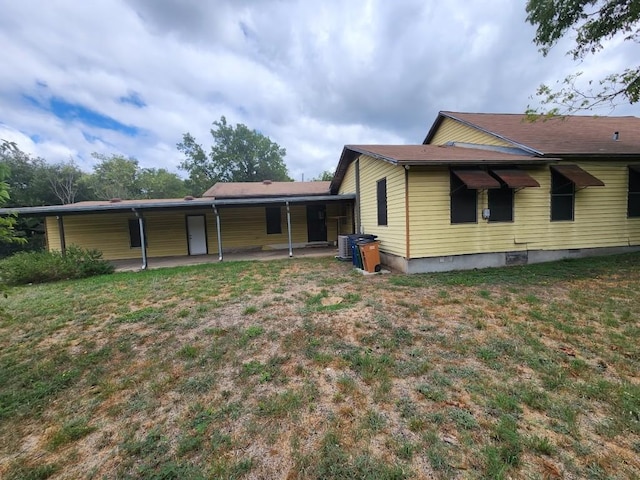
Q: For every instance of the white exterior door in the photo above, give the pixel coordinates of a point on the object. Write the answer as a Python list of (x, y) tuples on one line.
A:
[(197, 235)]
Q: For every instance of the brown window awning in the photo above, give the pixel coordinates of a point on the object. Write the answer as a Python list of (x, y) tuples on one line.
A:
[(476, 179), (515, 178), (578, 176)]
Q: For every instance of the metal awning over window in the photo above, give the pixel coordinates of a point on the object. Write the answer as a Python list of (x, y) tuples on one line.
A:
[(476, 179), (515, 178), (578, 176)]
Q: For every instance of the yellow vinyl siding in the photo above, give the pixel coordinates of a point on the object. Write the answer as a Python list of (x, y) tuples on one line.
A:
[(393, 235), (348, 184), (166, 232), (453, 131), (52, 235), (600, 216), (247, 226)]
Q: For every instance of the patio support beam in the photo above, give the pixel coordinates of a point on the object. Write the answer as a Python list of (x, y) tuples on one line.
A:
[(143, 239), (289, 229), (217, 214), (63, 243)]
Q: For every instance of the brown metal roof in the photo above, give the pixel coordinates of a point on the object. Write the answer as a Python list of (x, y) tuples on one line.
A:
[(476, 179), (566, 135), (266, 189), (578, 176), (515, 178), (440, 154)]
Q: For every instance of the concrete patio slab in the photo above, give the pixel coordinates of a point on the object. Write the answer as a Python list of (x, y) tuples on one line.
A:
[(133, 265)]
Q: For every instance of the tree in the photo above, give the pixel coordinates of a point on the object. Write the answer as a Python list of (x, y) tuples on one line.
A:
[(27, 179), (115, 176), (325, 176), (7, 223), (593, 21), (160, 183), (238, 154), (66, 182)]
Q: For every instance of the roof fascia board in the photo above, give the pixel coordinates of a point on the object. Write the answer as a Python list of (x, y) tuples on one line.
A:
[(349, 154), (377, 156), (434, 128), (346, 158)]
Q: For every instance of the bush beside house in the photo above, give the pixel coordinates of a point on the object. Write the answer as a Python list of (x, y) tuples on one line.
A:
[(40, 267)]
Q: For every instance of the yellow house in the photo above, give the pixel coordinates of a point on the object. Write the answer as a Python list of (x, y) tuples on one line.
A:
[(229, 217), (481, 190), (498, 189)]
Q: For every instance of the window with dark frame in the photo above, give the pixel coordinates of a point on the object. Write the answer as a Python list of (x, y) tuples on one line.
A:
[(381, 195), (134, 234), (274, 221), (464, 202), (500, 203), (563, 193), (633, 199)]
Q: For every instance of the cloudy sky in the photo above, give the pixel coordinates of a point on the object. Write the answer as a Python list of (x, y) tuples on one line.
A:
[(131, 76)]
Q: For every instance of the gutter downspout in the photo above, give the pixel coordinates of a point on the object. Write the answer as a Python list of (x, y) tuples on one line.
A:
[(357, 207), (143, 240), (406, 213), (217, 214), (289, 230), (63, 243)]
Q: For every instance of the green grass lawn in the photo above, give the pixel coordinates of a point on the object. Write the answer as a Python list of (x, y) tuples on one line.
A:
[(304, 369)]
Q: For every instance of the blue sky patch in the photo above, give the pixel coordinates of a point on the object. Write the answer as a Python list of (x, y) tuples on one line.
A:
[(73, 112)]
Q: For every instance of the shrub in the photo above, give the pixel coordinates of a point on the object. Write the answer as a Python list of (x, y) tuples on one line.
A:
[(40, 267)]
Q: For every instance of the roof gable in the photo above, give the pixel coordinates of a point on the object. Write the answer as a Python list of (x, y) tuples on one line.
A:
[(565, 136)]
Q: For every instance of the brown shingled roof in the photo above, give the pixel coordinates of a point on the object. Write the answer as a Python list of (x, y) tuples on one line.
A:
[(566, 135), (267, 189), (430, 155), (439, 155)]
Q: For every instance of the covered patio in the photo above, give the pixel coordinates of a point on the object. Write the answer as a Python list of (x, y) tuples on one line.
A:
[(134, 265)]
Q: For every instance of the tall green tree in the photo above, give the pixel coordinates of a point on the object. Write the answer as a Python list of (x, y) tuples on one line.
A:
[(8, 232), (114, 176), (27, 179), (592, 22), (238, 154), (160, 183)]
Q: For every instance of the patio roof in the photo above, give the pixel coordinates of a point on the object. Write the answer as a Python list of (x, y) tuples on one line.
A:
[(166, 204)]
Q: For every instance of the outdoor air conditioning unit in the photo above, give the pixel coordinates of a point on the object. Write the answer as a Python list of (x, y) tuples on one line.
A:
[(344, 249)]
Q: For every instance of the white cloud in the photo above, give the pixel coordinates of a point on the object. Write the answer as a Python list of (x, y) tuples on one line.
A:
[(312, 76)]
